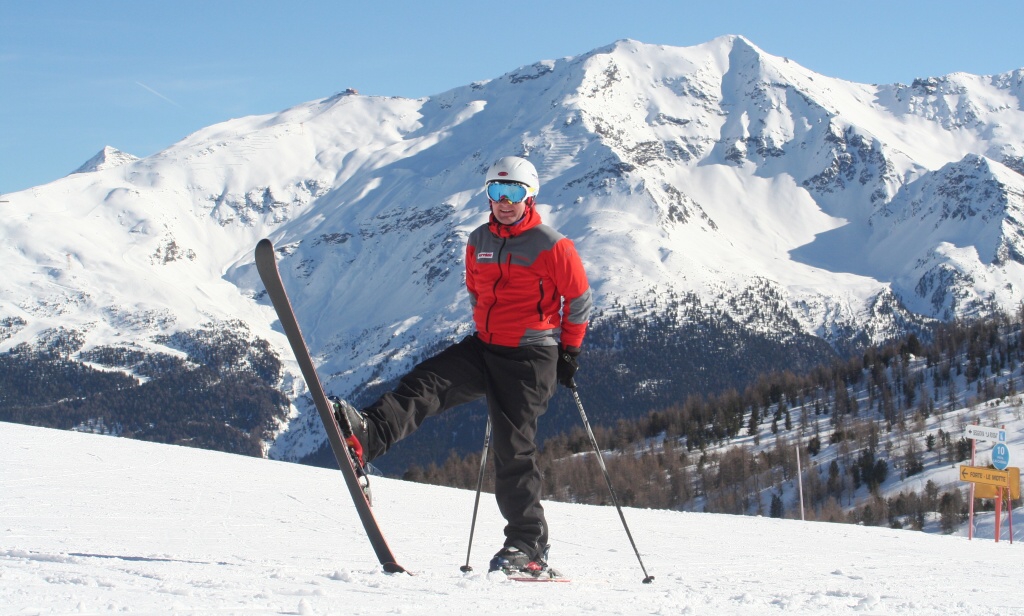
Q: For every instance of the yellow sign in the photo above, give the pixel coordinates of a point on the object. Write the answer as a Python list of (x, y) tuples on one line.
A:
[(990, 491), (988, 476)]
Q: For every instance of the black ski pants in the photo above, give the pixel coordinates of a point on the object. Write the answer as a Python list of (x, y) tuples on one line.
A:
[(517, 382)]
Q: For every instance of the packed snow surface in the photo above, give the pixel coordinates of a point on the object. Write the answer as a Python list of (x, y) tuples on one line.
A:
[(95, 524)]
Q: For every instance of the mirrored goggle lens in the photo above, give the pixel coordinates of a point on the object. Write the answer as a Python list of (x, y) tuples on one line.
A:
[(513, 193)]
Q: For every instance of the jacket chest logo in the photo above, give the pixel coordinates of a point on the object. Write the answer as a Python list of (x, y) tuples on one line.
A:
[(484, 255)]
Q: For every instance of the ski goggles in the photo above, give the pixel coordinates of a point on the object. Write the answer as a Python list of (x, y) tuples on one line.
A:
[(509, 191)]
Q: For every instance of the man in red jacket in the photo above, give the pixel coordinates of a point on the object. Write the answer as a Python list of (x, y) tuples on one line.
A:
[(531, 305)]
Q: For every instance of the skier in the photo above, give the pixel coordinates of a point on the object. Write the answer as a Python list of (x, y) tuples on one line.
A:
[(531, 306)]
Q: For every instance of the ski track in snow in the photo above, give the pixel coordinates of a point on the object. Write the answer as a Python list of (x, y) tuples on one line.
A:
[(95, 524)]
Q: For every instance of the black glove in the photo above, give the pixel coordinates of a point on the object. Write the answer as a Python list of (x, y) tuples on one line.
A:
[(567, 365)]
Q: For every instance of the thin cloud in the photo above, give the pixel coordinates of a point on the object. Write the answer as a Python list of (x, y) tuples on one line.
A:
[(142, 85)]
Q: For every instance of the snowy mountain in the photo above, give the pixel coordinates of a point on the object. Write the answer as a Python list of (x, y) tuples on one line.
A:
[(107, 158), (714, 184), (96, 524)]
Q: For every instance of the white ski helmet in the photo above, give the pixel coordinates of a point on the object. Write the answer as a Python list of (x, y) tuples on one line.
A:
[(515, 169)]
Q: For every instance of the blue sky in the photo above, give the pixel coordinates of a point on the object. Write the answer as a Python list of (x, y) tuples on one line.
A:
[(140, 75)]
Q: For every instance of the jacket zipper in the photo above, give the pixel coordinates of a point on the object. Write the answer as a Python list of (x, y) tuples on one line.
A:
[(494, 289), (540, 302)]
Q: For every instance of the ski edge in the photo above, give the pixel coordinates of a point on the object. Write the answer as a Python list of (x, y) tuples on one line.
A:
[(530, 578)]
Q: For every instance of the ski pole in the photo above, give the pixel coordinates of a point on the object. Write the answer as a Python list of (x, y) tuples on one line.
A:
[(600, 460), (479, 486)]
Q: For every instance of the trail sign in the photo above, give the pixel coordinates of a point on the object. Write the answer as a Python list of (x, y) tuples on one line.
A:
[(987, 476), (981, 433), (1000, 456), (982, 490)]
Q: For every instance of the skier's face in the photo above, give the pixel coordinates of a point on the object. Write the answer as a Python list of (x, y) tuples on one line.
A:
[(508, 213)]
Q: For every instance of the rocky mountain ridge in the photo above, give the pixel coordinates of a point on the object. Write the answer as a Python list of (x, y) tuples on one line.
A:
[(796, 208)]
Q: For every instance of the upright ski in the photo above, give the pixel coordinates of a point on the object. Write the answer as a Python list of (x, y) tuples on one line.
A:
[(266, 264)]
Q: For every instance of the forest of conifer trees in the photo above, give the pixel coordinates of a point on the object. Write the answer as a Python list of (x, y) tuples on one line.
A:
[(856, 423), (220, 394), (736, 452)]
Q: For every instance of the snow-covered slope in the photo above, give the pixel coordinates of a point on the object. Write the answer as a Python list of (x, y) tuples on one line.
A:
[(97, 524), (107, 158), (713, 170)]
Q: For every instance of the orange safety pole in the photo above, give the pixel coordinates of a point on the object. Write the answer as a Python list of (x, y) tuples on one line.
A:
[(970, 521), (1009, 506), (1009, 512), (999, 509)]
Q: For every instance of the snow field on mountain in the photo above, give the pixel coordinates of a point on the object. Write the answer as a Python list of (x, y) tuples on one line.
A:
[(95, 524), (717, 170)]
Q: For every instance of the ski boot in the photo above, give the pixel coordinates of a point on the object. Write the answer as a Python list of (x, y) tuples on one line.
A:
[(516, 563), (353, 427)]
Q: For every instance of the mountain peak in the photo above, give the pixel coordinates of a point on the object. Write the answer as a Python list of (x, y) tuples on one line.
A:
[(734, 40), (712, 171), (107, 158)]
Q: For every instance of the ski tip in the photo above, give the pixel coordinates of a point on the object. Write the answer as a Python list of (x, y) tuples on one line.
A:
[(264, 247)]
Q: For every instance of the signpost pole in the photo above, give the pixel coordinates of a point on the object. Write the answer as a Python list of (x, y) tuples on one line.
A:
[(800, 481), (970, 519), (1010, 503), (999, 510), (1009, 512)]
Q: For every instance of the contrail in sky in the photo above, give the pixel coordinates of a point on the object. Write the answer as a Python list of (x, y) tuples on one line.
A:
[(157, 93)]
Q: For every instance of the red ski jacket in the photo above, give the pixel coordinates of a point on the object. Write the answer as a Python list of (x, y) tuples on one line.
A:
[(527, 284)]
